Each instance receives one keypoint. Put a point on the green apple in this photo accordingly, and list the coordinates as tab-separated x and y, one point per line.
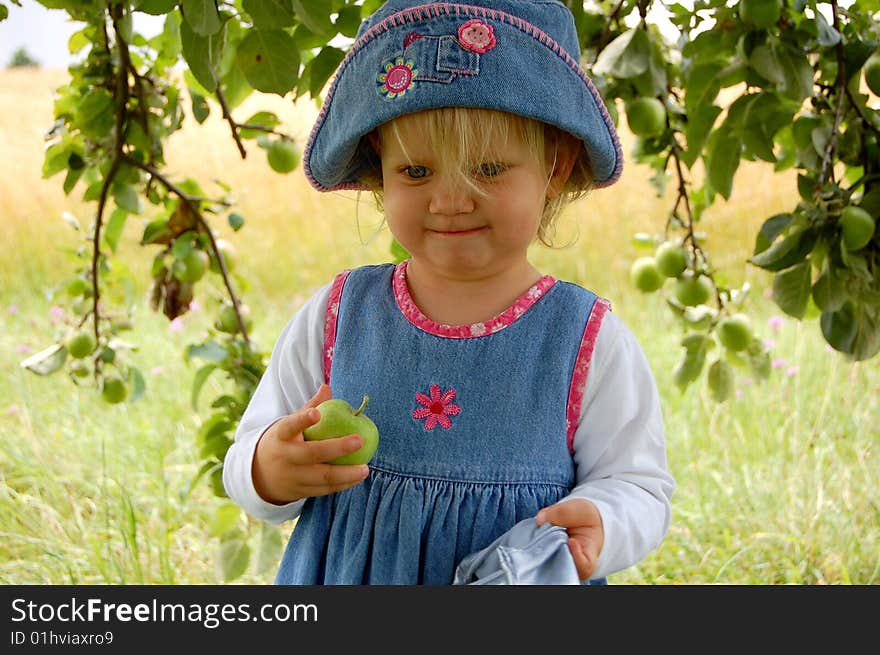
192	266
760	13
646	117
691	291
80	344
227	321
645	275
858	227
735	332
671	259
114	390
283	156
339	419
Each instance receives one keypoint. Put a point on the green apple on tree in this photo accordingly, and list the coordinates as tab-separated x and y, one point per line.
735	332
192	266
671	259
227	321
645	275
760	13
282	155
80	344
691	291
858	227
646	117
113	389
339	419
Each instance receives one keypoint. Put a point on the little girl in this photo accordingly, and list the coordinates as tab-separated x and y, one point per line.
501	394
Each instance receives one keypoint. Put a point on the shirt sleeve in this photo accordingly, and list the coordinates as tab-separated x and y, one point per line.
292	376
620	451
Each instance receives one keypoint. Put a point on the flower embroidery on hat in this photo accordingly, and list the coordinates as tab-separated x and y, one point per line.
477	36
397	77
436	408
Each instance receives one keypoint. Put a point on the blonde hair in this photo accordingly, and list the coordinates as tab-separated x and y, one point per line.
461	136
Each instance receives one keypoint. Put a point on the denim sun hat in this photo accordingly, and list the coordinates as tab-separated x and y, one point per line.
519	56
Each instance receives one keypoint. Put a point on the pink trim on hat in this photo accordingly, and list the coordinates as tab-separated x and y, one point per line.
414	14
330	320
582	367
506	318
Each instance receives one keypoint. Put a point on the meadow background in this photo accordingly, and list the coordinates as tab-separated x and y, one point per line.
776	486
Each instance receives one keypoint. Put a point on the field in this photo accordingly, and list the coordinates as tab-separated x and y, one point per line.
776	486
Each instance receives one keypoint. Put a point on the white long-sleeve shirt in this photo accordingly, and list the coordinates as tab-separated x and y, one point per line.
619	447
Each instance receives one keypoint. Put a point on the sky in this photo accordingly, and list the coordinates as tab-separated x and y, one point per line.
44	33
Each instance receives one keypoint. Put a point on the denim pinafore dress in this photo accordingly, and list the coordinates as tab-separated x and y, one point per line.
475	428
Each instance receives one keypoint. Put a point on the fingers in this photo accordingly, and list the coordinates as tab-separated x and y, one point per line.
569	514
328	478
584	561
318	452
293	424
323	393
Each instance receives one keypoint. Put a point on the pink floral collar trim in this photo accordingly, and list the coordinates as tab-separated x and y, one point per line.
415	316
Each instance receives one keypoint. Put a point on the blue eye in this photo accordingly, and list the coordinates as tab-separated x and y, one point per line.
416	172
489	170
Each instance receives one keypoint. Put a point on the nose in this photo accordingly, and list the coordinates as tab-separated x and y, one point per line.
451	197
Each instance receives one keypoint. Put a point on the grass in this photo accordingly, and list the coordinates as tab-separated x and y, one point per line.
775	486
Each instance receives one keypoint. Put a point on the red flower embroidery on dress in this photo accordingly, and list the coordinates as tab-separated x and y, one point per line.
437	408
477	36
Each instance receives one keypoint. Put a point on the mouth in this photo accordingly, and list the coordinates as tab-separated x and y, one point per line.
459	233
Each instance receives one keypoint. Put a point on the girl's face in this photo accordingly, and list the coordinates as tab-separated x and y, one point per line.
455	229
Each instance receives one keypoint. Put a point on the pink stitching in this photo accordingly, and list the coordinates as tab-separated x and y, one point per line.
582	367
436	408
506	318
496	15
330	321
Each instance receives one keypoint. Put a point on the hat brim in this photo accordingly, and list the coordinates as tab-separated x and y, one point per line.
526	73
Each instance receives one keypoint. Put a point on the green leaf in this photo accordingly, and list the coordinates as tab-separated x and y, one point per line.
200	107
758	358
270	14
322	67
236	221
702	86
772	228
840	327
720	379
829	290
786	252
155	7
626	56
94	115
210	351
696	131
315	15
226	518
138	384
199	380
791	289
828	36
202	54
115	226
270	547
155	230
348	21
46	361
722	161
233	557
270	60
127	198
201	16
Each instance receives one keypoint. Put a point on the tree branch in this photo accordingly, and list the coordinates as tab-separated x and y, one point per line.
192	204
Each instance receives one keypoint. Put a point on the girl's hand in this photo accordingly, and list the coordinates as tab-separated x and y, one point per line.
586	536
286	467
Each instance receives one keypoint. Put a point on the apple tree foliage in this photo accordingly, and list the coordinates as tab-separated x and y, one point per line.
767	81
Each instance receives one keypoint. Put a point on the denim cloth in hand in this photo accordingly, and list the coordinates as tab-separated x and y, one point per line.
524	555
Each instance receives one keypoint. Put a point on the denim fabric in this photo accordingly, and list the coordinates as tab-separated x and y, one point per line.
435	496
531	69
